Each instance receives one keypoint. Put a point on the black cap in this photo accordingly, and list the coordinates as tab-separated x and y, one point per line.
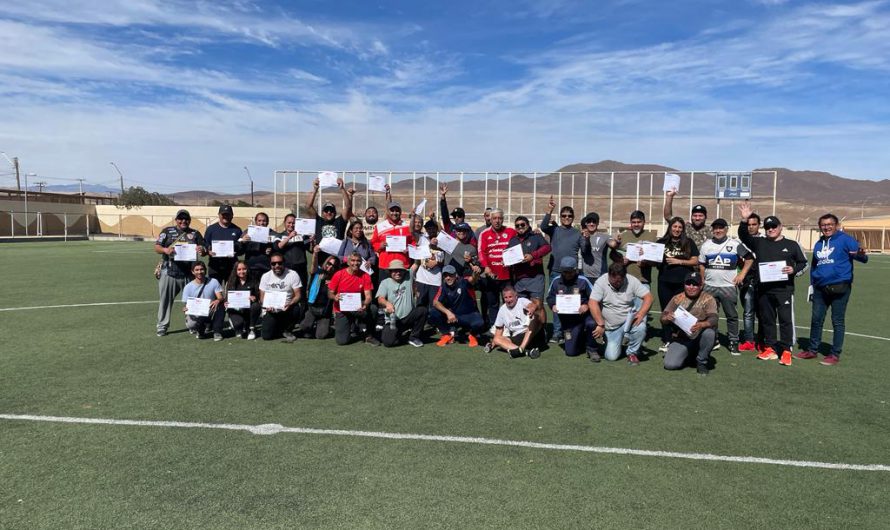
771	222
719	222
698	208
329	206
183	214
458	212
225	209
431	224
693	277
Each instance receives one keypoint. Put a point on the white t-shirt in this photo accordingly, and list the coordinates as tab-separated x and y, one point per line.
514	321
286	283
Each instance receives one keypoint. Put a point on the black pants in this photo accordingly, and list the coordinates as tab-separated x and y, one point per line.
215	321
320	319
491	299
344	322
773	305
245	319
666	291
415	320
275	324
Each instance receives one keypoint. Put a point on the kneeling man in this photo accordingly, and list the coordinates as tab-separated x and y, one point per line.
699	339
396	297
614	317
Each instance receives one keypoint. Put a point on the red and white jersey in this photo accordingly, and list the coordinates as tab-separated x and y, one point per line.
491	247
384	228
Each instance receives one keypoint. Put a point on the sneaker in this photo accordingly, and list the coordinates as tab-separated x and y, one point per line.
445	340
768	354
516	353
251	335
417	343
554	340
746	346
632	359
594	355
289	337
806	354
193	331
372	341
534	353
702	369
489	347
716	346
830	360
786	358
199	335
472	342
162	332
734	348
664	347
217	337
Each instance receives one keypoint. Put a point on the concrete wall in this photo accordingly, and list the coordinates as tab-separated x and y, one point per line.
50	217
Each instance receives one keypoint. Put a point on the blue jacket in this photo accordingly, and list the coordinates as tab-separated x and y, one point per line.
833	261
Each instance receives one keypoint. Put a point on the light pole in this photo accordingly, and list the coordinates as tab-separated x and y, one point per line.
121	175
14	162
252	203
26	200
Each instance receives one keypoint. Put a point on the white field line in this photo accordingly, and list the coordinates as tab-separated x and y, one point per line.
75	305
829	330
274	428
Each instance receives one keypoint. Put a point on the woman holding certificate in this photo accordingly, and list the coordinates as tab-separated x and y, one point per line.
680	258
243	302
257	246
202	297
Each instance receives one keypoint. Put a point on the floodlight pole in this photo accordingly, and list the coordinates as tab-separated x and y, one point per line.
251	186
120	174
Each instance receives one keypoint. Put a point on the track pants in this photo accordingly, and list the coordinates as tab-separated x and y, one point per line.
777	306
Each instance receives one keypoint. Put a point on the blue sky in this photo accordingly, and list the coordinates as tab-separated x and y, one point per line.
184	94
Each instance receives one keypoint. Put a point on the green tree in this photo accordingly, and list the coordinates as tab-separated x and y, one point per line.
139	196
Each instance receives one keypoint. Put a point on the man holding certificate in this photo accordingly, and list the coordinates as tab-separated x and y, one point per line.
616	316
392	230
493	241
329	224
528	274
221	239
280	294
173	243
568	298
693	314
350	289
777	260
203	309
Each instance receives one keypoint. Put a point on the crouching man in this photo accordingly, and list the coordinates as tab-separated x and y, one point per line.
518	326
614	317
699	340
396	297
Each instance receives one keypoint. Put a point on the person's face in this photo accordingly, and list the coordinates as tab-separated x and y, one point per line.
753	226
718	231
462	235
261	220
698	219
225	219
450	279
497	220
395	215
510	298
569	275
616	281
328	266
241	271
328	213
591	227
289	223
487	216
522	228
277	265
566	218
182	224
432	231
828	227
357	230
457	219
637	224
397	275
692	289
354	263
773	232
371	216
199	272
676	230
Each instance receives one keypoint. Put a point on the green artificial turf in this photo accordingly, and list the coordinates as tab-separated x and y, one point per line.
106	362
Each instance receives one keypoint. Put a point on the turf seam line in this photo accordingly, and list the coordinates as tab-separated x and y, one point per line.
273	428
76	305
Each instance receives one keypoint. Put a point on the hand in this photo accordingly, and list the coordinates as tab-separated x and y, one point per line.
268	251
451	318
443	189
383	246
489	272
583	309
184	309
585	233
245	237
337	297
315	184
316	249
625	261
617	236
555	311
386	188
527	258
551	204
252	298
202	251
859	253
476	269
738	280
350	192
668	317
639	318
214	304
697	326
340	183
745	210
389	309
170	250
787	270
434	242
212	254
672	261
598	331
671	192
226	305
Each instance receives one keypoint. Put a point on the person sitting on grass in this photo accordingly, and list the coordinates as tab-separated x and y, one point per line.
280	320
244	321
519	326
360	320
396	297
616	316
568	282
203	287
454	308
700	341
317	320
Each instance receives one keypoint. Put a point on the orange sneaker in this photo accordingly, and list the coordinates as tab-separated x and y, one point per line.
445	340
471	341
768	354
786	358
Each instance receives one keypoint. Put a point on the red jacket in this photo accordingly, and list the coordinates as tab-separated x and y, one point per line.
491	247
386	228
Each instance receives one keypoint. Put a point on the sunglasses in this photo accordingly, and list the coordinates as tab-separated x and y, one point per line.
771	227
567	216
693	284
521	225
274	263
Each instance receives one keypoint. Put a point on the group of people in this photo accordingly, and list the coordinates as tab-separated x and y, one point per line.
393	279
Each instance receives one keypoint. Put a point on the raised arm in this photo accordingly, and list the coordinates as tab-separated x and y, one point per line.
669	205
347	200
310	202
443	208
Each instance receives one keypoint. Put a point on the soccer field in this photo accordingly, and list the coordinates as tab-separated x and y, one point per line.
555	442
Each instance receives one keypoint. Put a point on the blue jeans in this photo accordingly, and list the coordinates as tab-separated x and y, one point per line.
821	302
615	337
469	322
748	306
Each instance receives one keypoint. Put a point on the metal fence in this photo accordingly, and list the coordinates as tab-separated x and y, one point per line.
22	224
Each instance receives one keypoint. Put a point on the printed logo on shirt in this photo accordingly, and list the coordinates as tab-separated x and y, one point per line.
190	235
328	231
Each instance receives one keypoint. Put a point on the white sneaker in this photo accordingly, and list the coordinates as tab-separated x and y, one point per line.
251	335
664	347
716	347
217	337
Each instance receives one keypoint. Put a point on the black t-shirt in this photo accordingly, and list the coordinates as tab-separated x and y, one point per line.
170	236
215	232
677	273
336	227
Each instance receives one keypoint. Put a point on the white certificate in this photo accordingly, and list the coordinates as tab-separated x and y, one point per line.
185	252
671	182
396	243
224	249
197	307
446	242
327	179
684	320
239	299
419	252
330	245
513	255
350	301
420	207
376	183
653	252
634	252
305	227
275	299
568	304
771	271
258	234
366	266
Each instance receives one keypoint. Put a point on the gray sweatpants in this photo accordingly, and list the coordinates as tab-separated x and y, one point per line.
681	348
168	289
728	299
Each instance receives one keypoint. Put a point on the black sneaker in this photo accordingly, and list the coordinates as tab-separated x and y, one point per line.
372	341
516	353
489	347
594	356
534	353
734	348
703	369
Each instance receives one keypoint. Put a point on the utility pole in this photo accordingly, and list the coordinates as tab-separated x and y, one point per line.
121	175
252	203
15	164
80	185
40	185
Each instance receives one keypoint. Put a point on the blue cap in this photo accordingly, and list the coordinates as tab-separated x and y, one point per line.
449	269
463	226
568	263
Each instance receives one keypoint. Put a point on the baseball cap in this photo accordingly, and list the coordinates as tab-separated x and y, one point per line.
568	263
463	226
396	265
719	222
698	208
693	278
771	222
225	209
449	269
431	224
183	214
458	212
394	205
329	206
